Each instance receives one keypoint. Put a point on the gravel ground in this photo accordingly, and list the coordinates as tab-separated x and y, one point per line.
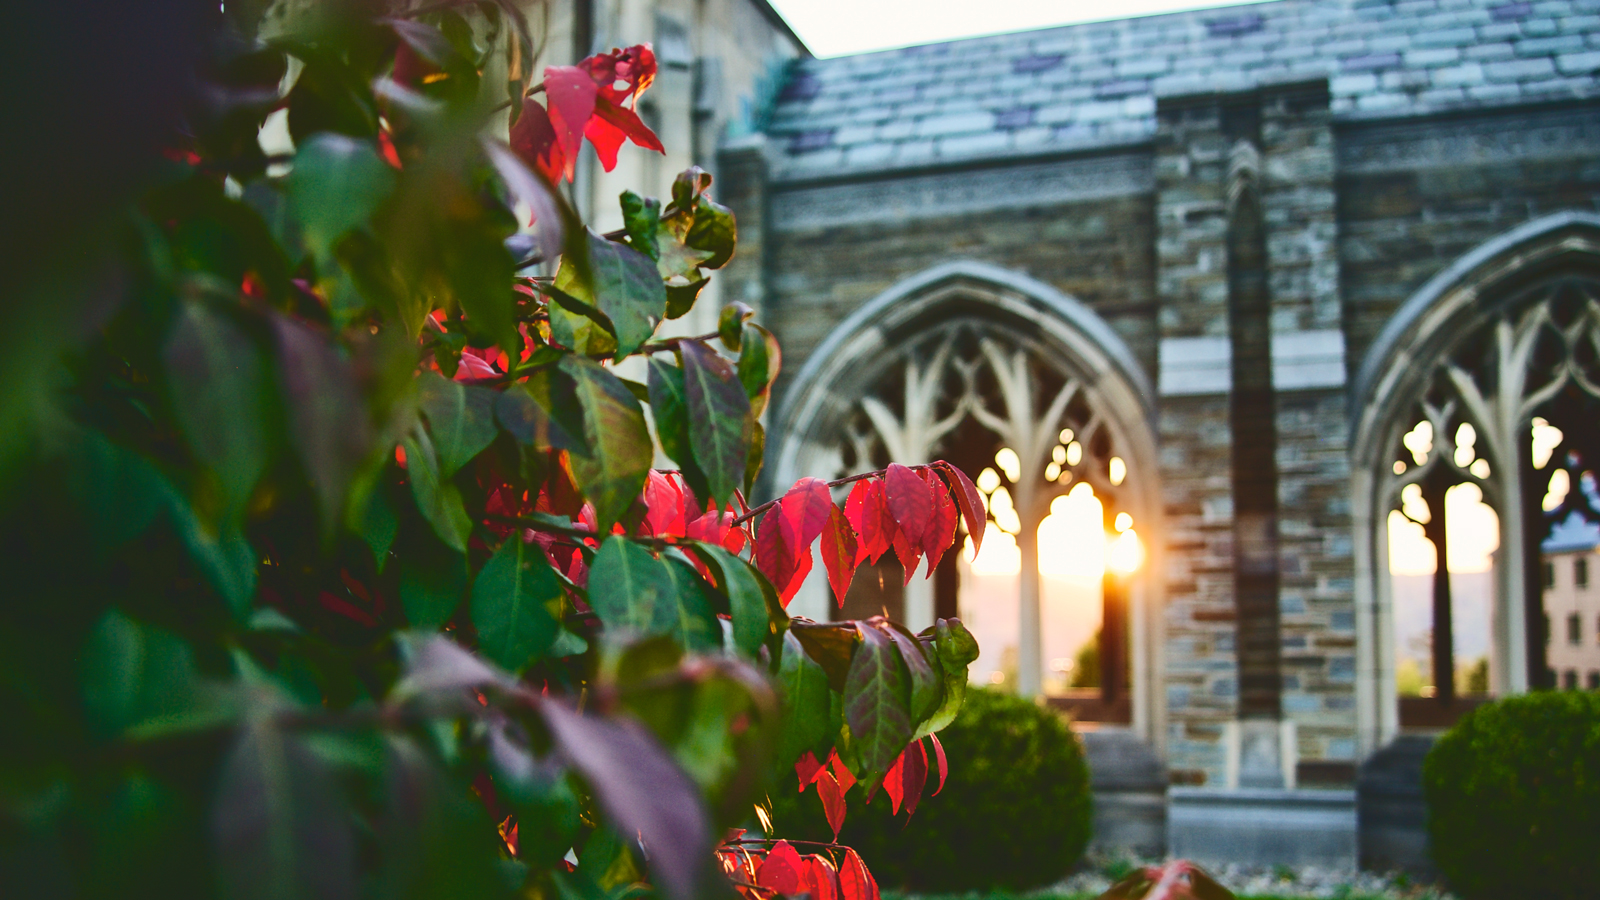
1097	874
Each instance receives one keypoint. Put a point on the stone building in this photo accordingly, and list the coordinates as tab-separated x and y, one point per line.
1248	274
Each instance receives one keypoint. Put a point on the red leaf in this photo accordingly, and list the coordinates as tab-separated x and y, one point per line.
855	510
533	139
776	548
855	882
664	500
572	93
846	778
832	796
807	768
914	776
611	125
821	879
807	504
941	530
839	553
971	504
909	553
780	871
634	67
894	783
944	767
802	569
911	504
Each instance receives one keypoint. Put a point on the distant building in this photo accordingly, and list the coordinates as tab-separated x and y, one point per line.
1572	611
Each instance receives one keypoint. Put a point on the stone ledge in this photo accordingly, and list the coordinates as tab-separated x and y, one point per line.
1259	826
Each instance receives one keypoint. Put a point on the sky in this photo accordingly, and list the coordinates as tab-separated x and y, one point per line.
841	27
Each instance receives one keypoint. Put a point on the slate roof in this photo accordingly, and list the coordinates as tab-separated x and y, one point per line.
1096	84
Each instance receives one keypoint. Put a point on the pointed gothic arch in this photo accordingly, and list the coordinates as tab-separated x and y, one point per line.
968	348
1496	338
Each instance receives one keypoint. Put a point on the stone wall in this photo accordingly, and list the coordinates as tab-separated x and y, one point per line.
1358	214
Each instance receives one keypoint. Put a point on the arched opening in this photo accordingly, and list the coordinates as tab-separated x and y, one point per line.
1478	432
1040	403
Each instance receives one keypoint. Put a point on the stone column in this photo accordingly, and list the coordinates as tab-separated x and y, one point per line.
1196	439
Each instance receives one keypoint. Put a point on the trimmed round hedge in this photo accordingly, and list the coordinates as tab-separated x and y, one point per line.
1513	793
1014	814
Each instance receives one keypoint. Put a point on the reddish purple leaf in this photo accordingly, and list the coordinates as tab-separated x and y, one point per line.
839	553
941	531
330	432
533	139
971	504
572	93
641	790
808	504
914	776
776	543
944	766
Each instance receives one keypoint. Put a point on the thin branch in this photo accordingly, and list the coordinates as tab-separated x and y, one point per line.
536	89
833	484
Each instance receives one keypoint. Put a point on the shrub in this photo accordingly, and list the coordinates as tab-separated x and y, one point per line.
1513	795
1014	813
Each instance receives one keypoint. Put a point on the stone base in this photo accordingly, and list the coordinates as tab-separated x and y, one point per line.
1394	817
1130	792
1263	827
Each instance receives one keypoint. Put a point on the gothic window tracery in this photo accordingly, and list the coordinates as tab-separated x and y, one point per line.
1512	407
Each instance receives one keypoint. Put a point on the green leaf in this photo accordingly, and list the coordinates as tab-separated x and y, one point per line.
758	450
876	700
433	580
612	473
688	186
575	323
336	185
131	672
677	259
220	396
927	683
719	418
627	587
669	407
516	604
956	649
681	297
628	290
754	621
438	499
713	230
378	526
641	216
759	361
460	419
544	412
688	615
831	644
730	324
807	703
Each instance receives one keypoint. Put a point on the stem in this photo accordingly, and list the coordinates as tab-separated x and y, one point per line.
671	343
833	484
536	89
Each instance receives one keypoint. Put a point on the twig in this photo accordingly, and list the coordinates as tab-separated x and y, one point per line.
833	484
536	89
